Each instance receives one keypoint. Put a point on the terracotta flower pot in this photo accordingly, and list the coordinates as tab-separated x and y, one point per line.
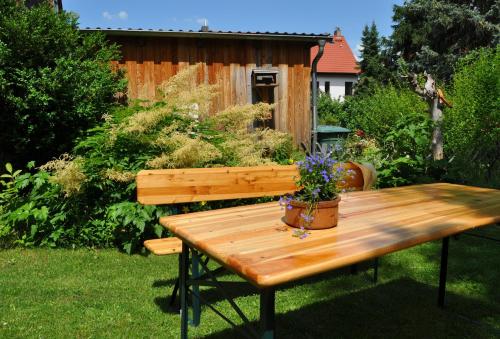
354	181
326	214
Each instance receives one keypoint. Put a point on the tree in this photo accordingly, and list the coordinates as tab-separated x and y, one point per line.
431	35
435	100
55	82
374	70
371	63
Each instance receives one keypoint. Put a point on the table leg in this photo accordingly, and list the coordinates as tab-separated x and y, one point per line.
183	278
267	322
443	271
195	273
173	296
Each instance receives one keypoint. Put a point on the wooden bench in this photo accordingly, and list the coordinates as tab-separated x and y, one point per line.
155	187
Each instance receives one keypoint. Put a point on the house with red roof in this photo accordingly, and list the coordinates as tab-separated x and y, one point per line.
338	70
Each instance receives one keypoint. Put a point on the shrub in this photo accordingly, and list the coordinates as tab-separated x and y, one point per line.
88	198
329	110
396	122
472	126
55	82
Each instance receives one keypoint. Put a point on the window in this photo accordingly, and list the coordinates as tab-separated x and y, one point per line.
348	88
327	87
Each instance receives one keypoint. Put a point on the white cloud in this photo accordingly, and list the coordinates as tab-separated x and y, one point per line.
106	15
121	15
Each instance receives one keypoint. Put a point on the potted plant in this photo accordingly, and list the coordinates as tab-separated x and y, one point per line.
315	205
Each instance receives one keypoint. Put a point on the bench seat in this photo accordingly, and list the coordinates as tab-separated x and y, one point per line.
164	246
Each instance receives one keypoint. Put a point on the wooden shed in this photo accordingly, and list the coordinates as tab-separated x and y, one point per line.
249	67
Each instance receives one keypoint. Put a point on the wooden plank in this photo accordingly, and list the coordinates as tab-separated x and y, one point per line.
164	246
254	242
129	51
202	184
149	69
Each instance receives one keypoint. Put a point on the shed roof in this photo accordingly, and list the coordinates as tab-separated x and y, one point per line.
337	57
304	37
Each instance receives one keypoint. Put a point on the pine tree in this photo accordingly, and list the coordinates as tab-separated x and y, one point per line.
432	35
373	70
371	62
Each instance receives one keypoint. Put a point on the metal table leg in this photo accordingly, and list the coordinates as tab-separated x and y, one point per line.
183	278
267	323
195	273
443	271
173	295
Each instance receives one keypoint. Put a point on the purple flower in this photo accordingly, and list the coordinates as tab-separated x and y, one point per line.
315	192
307	218
289	207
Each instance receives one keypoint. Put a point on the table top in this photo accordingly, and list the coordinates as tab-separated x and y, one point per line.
254	242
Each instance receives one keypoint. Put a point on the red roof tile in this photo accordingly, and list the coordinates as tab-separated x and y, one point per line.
337	57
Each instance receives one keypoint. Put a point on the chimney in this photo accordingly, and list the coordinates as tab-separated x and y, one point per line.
338	32
204	28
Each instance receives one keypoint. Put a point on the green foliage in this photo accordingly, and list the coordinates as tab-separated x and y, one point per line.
472	126
89	198
55	81
432	34
379	113
397	123
370	52
376	67
329	110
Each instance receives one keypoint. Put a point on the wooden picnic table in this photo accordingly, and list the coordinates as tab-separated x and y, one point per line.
254	242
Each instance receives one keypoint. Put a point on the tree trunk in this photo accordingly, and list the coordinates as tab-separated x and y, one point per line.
430	93
437	135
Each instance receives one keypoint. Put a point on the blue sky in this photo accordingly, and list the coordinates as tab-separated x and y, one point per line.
257	15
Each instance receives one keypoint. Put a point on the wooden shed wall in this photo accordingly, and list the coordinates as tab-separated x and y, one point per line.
149	61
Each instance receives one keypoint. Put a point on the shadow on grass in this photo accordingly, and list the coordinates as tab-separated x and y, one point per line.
400	308
237	290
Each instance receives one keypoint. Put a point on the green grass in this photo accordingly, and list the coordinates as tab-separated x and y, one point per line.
103	293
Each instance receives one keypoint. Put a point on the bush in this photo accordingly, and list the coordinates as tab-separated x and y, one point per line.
88	198
472	126
55	82
396	122
329	110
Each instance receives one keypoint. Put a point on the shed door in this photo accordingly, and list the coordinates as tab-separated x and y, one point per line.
264	83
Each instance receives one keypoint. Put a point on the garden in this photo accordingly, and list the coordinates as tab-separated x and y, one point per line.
72	260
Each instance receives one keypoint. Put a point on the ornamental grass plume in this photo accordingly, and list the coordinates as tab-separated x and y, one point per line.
238	119
190	153
67	172
178	132
244	152
119	175
186	95
181	95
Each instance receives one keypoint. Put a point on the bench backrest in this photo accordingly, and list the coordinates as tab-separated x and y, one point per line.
155	187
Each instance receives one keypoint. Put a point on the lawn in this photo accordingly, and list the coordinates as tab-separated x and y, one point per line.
104	293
